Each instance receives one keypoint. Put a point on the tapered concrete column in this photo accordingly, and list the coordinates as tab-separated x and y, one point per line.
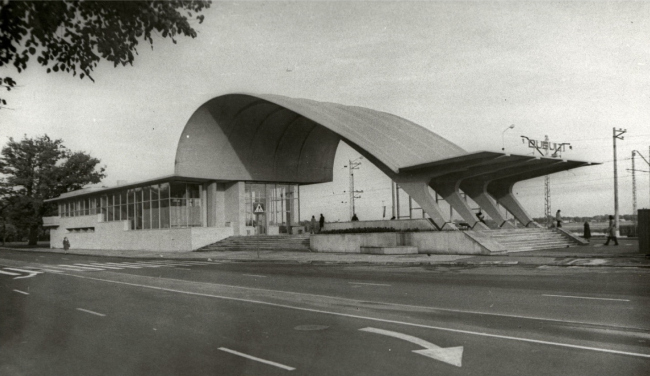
502	191
477	190
419	191
449	192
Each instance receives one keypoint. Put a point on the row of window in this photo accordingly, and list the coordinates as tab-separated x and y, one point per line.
151	207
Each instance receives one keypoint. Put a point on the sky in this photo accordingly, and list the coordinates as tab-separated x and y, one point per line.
467	71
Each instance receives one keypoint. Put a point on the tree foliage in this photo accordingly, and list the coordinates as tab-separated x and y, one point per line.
36	169
74	36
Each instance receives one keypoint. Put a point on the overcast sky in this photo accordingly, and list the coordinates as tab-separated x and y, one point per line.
465	70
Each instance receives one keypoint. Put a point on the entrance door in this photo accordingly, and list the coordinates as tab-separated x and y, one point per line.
260	223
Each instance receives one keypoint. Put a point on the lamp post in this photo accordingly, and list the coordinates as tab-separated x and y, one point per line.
503	143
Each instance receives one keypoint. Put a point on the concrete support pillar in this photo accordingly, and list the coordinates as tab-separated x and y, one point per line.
450	193
419	190
502	192
477	190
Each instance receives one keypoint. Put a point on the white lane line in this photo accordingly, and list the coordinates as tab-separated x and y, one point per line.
22	292
490	335
52	270
368	284
121	265
78	268
585	297
103	266
255	275
91	312
257	359
8	273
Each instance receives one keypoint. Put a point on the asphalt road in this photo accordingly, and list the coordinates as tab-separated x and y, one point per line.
82	315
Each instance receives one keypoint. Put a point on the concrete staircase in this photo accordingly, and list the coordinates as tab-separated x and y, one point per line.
260	242
530	239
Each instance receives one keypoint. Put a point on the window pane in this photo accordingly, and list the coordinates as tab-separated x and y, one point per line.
193	190
164	190
110	213
147	193
178	190
122	197
154	192
146	214
130	195
123	212
164	213
155	215
138	216
138	194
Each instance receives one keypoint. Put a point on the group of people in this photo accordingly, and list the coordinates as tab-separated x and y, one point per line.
317	227
611	229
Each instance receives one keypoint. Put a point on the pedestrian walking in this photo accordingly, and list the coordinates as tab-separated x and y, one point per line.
313	225
587	231
558	218
611	231
66	244
321	222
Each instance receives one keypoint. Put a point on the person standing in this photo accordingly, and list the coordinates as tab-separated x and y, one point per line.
558	218
354	217
312	230
611	231
321	223
587	231
66	245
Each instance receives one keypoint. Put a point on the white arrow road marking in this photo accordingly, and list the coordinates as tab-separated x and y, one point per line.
257	359
450	355
8	273
30	273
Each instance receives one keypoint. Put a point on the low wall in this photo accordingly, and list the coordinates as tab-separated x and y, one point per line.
116	235
435	242
399	225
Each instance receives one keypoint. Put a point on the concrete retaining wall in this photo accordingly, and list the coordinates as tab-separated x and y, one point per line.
439	242
399	225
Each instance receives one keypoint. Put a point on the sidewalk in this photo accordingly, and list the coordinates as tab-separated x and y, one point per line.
593	255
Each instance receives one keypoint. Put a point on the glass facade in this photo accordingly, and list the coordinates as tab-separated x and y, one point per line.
280	203
157	206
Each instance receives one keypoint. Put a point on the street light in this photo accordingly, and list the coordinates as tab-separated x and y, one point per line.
503	144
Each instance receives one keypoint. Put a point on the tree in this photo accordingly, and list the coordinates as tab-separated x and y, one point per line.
73	36
36	169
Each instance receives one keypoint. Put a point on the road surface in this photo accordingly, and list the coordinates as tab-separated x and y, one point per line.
83	315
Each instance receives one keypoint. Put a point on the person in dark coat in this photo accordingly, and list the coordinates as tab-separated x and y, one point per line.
321	222
558	218
587	231
354	217
66	244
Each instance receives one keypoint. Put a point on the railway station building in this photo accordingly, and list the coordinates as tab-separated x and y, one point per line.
241	160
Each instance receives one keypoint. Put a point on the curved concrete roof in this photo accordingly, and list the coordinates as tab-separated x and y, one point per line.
277	138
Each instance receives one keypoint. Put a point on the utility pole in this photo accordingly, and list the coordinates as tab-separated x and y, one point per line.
633	189
617	134
647	161
353	165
